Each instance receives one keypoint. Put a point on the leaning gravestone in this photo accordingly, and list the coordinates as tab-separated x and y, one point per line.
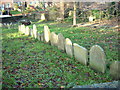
80	53
38	36
53	39
46	34
61	42
97	58
68	47
27	31
34	31
115	70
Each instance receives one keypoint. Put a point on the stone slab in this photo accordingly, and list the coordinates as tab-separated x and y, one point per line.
46	34
27	31
115	70
31	32
97	58
61	42
39	36
23	29
68	47
80	54
53	39
34	31
42	37
19	28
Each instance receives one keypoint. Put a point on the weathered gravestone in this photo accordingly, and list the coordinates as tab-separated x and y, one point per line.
19	28
61	42
42	37
27	31
38	36
80	53
46	34
34	31
53	39
23	29
97	58
43	16
68	47
31	32
115	70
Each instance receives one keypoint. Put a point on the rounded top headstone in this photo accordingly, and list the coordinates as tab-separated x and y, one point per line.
97	58
46	34
68	47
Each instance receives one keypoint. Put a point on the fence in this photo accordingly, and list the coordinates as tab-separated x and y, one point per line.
95	57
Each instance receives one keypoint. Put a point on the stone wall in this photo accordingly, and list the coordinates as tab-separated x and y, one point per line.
95	58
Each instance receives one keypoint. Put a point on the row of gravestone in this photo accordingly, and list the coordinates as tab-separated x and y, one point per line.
96	55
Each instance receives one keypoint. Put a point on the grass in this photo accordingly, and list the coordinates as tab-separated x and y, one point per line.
15	12
29	63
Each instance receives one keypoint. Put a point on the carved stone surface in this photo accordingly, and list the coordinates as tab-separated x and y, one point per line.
53	39
46	34
27	31
80	53
115	70
68	47
61	42
97	58
39	36
34	31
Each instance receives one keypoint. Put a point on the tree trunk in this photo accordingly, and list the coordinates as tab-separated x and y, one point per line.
74	14
62	9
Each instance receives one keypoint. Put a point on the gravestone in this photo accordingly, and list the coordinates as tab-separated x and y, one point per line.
61	42
23	29
27	31
42	37
19	28
53	39
97	58
31	32
46	34
80	54
68	47
34	31
38	36
91	18
42	16
115	70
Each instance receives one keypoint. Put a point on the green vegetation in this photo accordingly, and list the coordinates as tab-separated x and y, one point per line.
15	12
29	63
